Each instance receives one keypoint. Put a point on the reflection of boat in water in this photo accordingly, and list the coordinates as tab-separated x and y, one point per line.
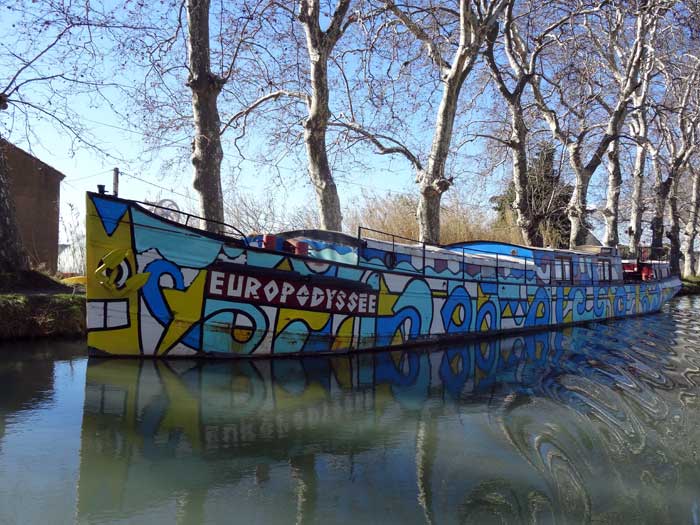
515	427
159	288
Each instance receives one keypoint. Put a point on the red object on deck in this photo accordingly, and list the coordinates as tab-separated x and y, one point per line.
300	247
269	241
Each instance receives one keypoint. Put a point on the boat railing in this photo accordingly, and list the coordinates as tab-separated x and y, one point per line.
189	216
598	271
393	239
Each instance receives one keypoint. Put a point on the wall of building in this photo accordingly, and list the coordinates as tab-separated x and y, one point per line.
36	188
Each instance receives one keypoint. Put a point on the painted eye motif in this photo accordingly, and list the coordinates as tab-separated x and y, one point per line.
123	274
123	271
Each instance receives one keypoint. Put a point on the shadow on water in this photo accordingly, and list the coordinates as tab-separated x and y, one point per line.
597	423
27	375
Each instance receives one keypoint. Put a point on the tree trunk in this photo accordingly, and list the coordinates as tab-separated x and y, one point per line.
661	192
315	128
674	254
637	196
12	255
428	214
521	204
474	26
577	210
432	181
691	229
319	44
612	205
207	152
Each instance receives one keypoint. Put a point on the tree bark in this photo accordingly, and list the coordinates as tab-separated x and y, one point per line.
428	212
207	152
12	255
578	211
319	45
674	254
474	26
528	226
662	188
628	80
522	67
612	205
637	193
432	181
691	229
315	128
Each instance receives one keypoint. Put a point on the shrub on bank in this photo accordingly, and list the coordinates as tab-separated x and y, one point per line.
27	316
396	214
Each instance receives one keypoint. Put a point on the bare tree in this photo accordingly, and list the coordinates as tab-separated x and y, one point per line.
319	44
477	18
520	47
677	125
312	89
186	63
691	228
577	108
627	54
639	130
207	152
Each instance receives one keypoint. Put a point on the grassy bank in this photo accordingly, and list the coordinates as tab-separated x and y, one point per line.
35	305
41	315
691	286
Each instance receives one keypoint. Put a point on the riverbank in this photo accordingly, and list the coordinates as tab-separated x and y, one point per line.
34	305
690	286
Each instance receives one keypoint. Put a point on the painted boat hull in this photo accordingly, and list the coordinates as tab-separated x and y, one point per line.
156	288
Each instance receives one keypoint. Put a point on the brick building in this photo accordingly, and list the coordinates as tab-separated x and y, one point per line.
35	188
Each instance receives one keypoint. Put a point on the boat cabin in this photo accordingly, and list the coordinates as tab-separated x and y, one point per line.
483	261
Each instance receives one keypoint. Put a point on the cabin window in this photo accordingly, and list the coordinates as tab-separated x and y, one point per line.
562	269
604	270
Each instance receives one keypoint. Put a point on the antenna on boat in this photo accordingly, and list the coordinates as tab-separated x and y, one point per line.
115	182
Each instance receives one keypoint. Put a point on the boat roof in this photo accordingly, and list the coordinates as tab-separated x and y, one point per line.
507	248
475	247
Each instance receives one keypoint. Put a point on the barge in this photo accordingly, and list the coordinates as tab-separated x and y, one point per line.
158	287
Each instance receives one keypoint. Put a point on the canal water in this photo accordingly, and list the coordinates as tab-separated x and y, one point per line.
590	424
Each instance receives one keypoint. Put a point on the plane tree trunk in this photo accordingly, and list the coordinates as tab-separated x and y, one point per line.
637	192
639	130
319	44
521	204
578	211
612	205
432	181
205	86
674	237
691	229
476	21
661	192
